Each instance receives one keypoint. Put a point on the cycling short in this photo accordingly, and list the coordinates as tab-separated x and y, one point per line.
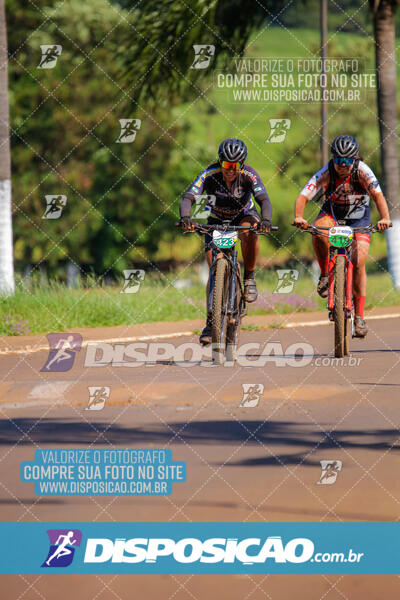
251	215
363	222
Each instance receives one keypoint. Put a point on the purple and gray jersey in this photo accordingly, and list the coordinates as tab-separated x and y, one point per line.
225	204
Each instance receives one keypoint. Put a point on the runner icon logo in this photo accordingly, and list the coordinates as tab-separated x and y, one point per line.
50	54
330	471
202	206
133	280
203	55
129	128
63	347
62	547
55	205
286	280
251	394
97	397
278	130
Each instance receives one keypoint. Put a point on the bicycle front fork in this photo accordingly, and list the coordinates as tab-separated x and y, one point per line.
234	265
348	279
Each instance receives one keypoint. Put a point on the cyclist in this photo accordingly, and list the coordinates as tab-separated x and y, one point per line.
346	184
229	185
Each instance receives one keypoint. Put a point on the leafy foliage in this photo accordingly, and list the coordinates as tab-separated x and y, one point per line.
121	198
160	56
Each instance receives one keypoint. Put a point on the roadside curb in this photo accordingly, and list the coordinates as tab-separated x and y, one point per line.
261	321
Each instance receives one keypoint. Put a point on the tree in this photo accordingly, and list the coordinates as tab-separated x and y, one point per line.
6	247
160	55
65	123
385	53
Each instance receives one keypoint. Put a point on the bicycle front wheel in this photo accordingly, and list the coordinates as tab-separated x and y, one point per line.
339	311
233	328
219	311
347	330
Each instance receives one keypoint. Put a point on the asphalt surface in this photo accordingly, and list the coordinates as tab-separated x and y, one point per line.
259	462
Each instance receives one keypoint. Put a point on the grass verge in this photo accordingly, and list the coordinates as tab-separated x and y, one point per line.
53	307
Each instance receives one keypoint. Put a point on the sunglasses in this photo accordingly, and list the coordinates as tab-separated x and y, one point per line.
226	164
338	160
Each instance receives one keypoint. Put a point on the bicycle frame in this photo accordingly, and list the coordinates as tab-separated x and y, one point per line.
226	302
230	255
333	254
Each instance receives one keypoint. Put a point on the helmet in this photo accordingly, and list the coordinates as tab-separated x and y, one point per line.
233	150
344	146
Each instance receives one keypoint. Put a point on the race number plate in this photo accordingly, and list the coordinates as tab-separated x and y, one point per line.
340	237
225	239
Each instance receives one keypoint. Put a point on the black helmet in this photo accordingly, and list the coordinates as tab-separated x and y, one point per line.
344	146
233	150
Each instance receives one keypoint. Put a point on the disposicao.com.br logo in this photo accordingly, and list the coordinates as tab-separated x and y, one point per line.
247	551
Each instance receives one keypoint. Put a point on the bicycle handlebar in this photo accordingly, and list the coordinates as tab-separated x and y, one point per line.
313	229
203	228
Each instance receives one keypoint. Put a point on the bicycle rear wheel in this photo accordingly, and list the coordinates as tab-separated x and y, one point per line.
219	311
339	311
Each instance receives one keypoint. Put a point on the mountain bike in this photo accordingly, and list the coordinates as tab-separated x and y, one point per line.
226	294
340	273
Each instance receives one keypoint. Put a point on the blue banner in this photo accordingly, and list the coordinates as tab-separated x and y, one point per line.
200	548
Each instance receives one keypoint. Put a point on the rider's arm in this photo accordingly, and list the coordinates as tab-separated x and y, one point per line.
259	192
299	206
381	205
266	207
305	195
186	205
312	187
371	184
196	188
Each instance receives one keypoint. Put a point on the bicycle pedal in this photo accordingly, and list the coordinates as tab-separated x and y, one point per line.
331	315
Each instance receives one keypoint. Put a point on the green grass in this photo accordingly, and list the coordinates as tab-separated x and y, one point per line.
54	307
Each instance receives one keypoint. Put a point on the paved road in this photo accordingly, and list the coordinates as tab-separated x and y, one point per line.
257	463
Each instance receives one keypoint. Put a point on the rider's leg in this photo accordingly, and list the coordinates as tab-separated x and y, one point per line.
250	249
205	336
320	242
360	254
321	249
209	261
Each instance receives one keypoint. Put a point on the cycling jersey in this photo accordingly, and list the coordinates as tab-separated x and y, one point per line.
224	204
344	198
